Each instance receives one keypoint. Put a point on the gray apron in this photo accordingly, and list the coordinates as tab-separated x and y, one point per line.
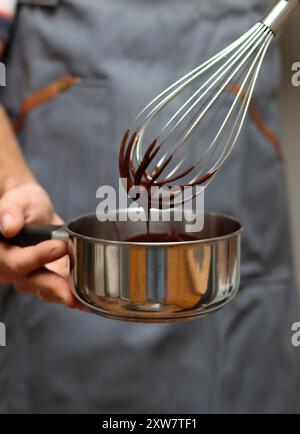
57	360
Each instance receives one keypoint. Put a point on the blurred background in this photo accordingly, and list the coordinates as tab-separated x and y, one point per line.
290	112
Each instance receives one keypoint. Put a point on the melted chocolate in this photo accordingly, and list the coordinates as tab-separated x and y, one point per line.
172	237
140	176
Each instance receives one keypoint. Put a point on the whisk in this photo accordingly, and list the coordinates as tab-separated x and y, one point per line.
199	118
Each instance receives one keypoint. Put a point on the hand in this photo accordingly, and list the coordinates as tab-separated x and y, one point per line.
41	270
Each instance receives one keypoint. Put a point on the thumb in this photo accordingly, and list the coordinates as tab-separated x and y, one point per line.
12	218
28	203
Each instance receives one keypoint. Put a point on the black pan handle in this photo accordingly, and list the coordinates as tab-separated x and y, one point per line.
35	234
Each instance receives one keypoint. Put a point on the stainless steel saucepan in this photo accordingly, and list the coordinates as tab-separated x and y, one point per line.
148	282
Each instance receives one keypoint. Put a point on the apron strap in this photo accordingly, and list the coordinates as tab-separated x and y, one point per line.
42	96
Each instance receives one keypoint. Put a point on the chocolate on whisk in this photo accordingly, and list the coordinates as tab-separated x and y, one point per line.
141	176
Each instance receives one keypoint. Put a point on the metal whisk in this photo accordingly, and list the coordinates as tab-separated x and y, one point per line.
200	117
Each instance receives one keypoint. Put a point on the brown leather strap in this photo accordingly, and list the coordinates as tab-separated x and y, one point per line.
43	95
260	122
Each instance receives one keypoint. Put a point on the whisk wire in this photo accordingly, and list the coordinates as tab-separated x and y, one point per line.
208	104
194	74
230	74
246	97
182	84
219	74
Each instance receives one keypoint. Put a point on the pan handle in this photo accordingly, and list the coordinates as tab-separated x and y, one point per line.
35	234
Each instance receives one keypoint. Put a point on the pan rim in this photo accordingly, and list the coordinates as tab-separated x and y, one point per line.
214	240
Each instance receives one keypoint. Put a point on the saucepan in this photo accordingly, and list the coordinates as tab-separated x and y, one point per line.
118	277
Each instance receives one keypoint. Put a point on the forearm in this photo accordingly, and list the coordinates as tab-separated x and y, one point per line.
13	167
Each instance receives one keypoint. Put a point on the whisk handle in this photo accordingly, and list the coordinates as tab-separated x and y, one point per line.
277	16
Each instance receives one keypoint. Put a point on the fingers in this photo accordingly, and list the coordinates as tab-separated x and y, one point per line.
26	269
61	267
17	262
48	286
